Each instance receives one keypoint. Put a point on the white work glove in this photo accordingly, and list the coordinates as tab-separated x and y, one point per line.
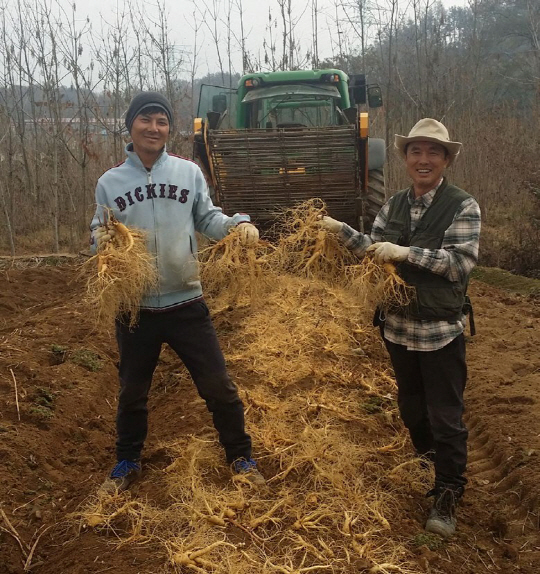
386	251
329	224
103	234
249	234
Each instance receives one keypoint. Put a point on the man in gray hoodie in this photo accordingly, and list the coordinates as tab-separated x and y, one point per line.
167	197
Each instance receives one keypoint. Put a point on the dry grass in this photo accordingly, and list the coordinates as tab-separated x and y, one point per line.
378	285
334	502
232	272
321	410
305	249
239	270
121	273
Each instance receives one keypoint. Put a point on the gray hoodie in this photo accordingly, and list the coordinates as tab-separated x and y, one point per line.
170	202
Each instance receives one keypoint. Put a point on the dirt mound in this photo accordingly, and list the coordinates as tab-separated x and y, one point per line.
58	384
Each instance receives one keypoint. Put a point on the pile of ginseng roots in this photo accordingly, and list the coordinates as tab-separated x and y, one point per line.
320	405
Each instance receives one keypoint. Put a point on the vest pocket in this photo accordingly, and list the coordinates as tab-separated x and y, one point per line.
442	303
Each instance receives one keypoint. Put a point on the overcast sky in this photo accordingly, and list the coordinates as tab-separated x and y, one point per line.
255	17
256	20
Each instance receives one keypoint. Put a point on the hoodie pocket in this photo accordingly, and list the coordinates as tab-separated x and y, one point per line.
179	268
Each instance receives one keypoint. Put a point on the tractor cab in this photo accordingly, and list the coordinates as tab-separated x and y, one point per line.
309	98
292	106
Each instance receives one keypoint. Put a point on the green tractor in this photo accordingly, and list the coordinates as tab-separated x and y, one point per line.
281	138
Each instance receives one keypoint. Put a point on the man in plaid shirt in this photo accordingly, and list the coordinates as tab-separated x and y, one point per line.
431	232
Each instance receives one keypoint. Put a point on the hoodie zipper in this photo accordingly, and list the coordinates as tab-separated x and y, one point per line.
149	178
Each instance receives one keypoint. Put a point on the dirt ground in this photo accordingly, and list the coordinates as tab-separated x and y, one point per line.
58	384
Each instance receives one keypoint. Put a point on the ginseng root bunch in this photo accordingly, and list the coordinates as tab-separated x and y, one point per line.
121	273
305	249
379	285
234	270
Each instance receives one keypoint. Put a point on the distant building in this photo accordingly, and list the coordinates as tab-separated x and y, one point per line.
100	126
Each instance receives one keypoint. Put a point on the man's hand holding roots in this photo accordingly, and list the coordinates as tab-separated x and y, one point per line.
386	252
103	234
248	233
329	224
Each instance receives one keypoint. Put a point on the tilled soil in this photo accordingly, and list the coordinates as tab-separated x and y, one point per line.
58	385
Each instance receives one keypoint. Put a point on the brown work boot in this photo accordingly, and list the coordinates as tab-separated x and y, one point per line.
247	468
442	517
122	476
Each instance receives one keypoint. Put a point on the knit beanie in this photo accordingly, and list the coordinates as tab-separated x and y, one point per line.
147	100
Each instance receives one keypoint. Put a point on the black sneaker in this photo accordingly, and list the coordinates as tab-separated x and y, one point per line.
442	517
122	476
247	467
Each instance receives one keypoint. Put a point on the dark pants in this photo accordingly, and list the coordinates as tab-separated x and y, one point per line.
190	333
430	399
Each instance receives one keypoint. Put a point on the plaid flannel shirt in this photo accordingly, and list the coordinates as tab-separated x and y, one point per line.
454	260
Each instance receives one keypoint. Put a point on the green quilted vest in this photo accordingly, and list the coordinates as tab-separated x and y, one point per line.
437	298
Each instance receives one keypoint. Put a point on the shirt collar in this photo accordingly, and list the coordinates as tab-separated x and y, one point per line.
137	160
426	198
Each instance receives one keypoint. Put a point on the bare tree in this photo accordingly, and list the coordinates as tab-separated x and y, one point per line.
15	46
166	56
114	63
270	45
195	26
212	9
315	33
51	72
71	49
240	6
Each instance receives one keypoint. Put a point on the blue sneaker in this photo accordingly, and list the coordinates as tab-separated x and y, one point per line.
122	475
247	468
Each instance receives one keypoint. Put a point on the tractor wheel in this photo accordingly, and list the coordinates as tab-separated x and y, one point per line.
374	199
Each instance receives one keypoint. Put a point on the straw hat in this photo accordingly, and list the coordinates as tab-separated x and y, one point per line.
431	131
